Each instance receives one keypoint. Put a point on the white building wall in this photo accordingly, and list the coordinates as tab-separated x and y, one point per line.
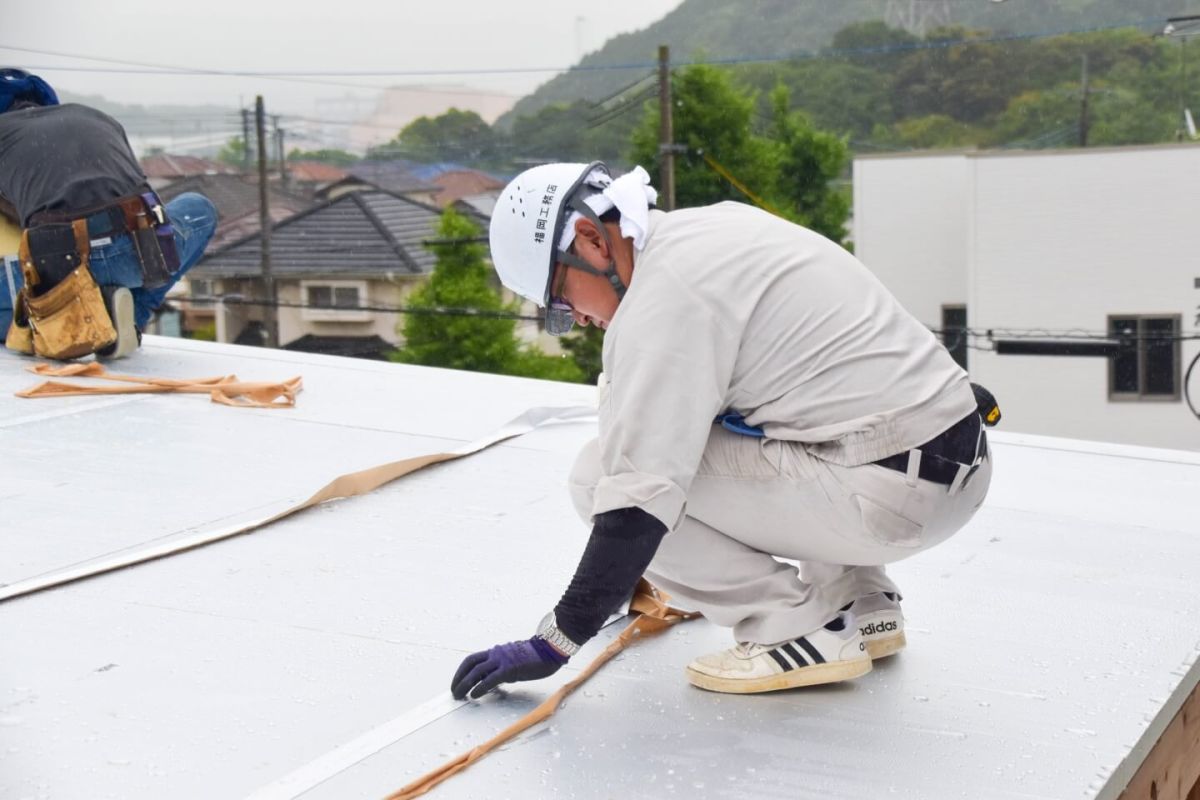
1060	242
910	229
1053	241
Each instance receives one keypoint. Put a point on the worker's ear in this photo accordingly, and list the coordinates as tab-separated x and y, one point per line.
589	237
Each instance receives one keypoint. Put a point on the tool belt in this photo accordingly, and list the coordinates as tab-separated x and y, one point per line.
143	216
60	313
954	455
942	455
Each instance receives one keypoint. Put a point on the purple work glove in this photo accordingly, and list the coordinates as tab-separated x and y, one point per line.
516	661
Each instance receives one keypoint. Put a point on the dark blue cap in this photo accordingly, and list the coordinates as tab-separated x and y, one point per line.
17	84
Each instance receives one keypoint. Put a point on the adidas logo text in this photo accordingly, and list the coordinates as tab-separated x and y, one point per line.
880	627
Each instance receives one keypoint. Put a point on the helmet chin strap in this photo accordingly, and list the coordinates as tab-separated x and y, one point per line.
609	273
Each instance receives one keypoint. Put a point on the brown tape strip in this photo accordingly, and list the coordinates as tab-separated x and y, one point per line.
226	390
654	616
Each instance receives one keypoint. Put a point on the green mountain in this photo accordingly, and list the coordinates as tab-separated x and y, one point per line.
750	30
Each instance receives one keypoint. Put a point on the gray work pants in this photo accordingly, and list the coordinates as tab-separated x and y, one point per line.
754	500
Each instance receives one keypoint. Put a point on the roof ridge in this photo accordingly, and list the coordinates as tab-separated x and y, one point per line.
386	233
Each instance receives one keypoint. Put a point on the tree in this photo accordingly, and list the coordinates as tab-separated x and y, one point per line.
967	82
809	162
711	117
586	348
577	132
934	131
460	136
233	152
793	172
873	44
326	155
484	341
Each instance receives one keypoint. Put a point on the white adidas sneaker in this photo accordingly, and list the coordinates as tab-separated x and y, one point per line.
823	656
881	623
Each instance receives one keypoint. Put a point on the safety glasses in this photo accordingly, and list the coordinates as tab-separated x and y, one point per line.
560	314
560	317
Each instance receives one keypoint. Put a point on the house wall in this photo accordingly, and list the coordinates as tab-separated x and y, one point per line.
231	318
1053	242
297	322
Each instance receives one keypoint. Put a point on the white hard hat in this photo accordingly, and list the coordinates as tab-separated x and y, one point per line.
527	223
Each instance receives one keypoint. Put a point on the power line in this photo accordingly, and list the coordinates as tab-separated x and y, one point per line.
988	334
436	311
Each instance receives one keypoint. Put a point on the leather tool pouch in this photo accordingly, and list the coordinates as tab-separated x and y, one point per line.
54	254
155	239
154	264
67	317
20	335
70	320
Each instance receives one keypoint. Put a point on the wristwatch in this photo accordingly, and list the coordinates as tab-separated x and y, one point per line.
548	630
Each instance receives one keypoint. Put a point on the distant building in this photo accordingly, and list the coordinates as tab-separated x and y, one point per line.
339	268
400	105
475	189
1045	245
309	177
394	176
441	184
165	168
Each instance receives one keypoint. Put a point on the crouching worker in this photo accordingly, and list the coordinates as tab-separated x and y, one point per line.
99	251
766	398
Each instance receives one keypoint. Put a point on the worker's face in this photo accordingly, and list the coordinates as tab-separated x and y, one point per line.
592	298
585	294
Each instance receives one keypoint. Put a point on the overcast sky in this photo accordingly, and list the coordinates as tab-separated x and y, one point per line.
303	35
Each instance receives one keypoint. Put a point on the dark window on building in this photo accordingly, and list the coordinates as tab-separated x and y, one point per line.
1147	362
954	332
320	296
333	296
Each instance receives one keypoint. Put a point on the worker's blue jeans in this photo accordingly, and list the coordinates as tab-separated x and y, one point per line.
116	264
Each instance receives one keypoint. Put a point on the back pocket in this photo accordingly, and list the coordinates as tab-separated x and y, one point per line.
886	526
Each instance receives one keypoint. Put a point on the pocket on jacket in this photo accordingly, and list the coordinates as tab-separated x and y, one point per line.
886	527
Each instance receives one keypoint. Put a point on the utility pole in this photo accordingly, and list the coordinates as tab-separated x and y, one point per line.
1182	28
279	148
1183	109
279	151
246	139
264	221
1083	104
666	131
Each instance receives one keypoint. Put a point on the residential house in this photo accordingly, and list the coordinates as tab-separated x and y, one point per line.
165	168
237	200
1080	247
468	188
309	177
394	176
340	269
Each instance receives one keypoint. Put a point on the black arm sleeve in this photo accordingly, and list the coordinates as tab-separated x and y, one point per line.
620	548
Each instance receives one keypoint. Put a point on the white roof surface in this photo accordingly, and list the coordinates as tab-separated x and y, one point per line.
1050	642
